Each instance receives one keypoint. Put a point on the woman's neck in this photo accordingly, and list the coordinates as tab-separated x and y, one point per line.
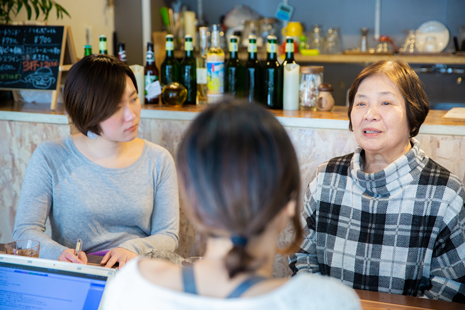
107	153
374	161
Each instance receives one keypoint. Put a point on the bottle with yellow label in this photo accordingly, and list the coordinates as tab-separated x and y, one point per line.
202	87
272	89
252	71
215	68
289	51
188	71
170	66
234	79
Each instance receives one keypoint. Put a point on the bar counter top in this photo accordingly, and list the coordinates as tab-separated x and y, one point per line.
335	119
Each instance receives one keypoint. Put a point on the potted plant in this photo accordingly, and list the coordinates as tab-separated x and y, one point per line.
13	7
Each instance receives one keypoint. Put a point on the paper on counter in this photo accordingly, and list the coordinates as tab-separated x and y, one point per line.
291	87
139	73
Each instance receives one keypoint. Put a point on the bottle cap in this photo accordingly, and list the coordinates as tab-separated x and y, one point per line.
188	36
271	37
169	36
87	46
215	27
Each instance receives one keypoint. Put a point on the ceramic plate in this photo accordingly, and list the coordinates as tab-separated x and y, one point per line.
432	37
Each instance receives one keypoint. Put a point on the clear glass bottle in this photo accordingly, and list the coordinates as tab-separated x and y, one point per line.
122	51
310	78
202	86
215	68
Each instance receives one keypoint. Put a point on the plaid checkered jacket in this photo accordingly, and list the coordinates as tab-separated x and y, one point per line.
400	230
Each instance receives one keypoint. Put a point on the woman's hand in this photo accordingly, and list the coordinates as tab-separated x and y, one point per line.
69	255
120	255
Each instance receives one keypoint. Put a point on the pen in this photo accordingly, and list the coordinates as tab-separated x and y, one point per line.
78	247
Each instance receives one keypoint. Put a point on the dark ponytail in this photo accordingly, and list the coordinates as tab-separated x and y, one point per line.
238	169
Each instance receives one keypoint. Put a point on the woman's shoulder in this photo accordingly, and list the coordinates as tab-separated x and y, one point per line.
55	149
321	291
337	165
157	151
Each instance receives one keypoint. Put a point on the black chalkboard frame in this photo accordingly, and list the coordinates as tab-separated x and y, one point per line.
67	59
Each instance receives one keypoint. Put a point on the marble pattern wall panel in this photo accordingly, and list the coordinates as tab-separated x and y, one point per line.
18	140
313	147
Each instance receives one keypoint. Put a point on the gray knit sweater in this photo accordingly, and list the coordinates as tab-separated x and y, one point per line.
400	230
136	208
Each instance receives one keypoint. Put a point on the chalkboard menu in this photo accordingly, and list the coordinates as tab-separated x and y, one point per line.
30	56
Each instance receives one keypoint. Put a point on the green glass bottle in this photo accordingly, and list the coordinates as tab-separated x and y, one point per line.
87	50
252	71
103	45
289	51
188	71
272	89
170	66
234	75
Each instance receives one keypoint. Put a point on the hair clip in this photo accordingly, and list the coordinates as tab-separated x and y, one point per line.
239	241
92	135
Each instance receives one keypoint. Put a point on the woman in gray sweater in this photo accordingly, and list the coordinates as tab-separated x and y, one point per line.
114	191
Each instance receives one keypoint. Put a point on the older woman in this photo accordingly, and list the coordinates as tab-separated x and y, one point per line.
386	218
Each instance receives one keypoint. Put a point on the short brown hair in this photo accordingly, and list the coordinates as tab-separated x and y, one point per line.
238	169
403	76
94	87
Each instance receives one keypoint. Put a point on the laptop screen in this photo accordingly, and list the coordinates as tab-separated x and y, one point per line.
31	287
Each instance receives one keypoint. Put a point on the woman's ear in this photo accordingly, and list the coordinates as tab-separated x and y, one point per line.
290	208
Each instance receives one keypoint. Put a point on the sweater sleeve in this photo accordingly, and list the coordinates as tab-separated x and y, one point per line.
306	258
35	203
448	261
165	215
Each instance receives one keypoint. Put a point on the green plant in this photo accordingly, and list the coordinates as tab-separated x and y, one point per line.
8	7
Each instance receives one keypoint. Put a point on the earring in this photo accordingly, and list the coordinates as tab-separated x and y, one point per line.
92	135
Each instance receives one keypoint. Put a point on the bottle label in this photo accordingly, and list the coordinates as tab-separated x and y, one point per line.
202	76
271	48
188	46
215	77
233	47
252	48
102	45
289	47
169	46
149	56
152	87
122	56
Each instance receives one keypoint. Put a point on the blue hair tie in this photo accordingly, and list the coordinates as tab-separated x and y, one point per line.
239	241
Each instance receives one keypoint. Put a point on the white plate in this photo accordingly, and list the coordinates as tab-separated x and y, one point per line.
432	37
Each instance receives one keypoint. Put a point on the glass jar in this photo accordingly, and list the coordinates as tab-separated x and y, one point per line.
310	78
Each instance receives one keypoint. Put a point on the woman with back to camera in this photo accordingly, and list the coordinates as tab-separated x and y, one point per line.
240	179
116	192
386	218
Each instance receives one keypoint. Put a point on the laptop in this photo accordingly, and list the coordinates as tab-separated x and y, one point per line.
42	284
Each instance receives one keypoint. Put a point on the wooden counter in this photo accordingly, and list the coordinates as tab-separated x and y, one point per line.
338	112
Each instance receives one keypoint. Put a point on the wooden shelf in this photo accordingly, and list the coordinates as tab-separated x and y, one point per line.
341	58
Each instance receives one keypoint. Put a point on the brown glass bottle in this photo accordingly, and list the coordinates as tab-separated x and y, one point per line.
150	72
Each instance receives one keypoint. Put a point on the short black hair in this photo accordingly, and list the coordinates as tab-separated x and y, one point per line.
93	89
